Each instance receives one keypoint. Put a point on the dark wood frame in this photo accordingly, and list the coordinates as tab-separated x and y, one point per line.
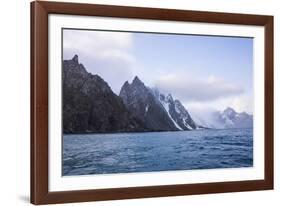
39	102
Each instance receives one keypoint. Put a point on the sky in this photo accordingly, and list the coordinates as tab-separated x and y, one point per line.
203	72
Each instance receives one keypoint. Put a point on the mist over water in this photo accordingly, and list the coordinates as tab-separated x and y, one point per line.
85	154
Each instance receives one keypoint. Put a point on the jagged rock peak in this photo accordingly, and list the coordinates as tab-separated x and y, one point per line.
75	59
126	83
169	97
229	111
90	105
137	80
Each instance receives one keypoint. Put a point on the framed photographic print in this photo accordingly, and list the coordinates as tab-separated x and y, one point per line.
131	102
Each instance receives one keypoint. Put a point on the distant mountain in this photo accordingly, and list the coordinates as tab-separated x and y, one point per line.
159	112
89	105
227	118
231	119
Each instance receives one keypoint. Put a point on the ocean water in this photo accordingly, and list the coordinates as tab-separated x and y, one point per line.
85	154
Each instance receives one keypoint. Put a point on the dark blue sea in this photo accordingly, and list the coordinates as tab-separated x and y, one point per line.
85	154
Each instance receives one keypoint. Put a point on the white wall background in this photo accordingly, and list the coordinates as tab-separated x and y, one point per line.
14	102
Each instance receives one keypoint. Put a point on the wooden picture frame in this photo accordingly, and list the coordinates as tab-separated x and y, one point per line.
40	193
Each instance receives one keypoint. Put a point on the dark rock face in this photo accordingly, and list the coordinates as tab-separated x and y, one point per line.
89	105
183	117
176	111
141	102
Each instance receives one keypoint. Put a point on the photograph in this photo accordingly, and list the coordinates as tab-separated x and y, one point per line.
151	102
130	102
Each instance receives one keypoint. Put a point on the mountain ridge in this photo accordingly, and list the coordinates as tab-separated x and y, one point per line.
90	105
139	99
227	118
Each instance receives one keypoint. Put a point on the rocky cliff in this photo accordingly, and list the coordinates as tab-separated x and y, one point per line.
89	105
140	101
159	112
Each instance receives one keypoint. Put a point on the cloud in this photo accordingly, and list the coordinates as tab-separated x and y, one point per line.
107	54
87	41
243	103
193	89
240	103
110	55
